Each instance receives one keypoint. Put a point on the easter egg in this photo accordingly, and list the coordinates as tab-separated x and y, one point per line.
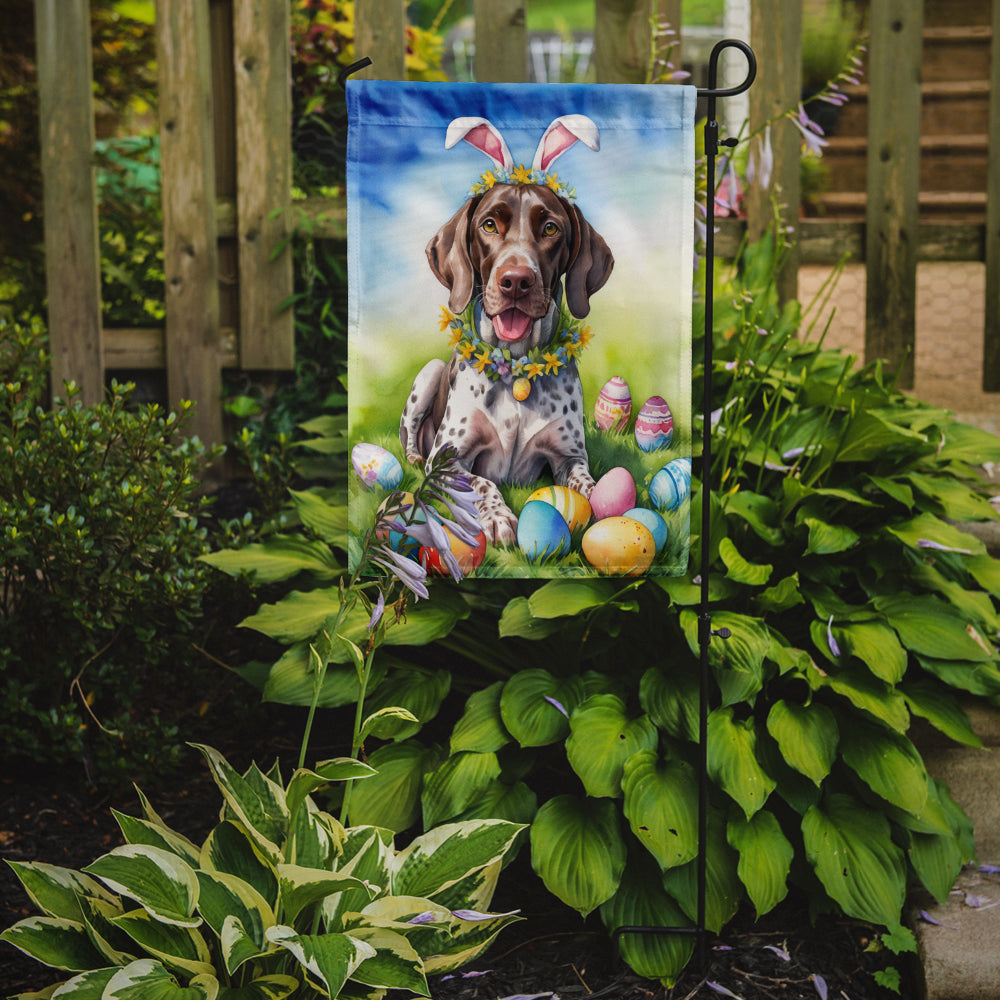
574	506
654	426
521	389
541	530
613	494
619	546
651	520
467	556
375	466
614	405
671	485
398	540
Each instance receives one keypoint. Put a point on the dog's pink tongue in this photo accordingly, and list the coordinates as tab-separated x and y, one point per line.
512	324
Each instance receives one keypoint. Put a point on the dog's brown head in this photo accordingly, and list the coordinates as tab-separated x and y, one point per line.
512	245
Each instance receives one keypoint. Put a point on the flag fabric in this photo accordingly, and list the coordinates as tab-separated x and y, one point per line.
520	292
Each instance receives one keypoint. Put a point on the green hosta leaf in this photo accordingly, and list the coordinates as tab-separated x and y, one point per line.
888	763
783	595
738	661
876	646
98	916
395	964
456	784
925	528
275	987
850	848
417	690
466	941
671	700
516	803
141	831
301	887
391	799
871	435
641	901
330	959
438	859
931	628
180	948
937	860
602	738
976	678
279	558
367	853
56	891
225	897
807	736
975	605
941	709
894	489
578	851
481	728
238	944
661	806
965	443
866	692
292	680
87	986
517	620
684	592
386	723
560	598
230	849
765	858
54	941
986	572
732	760
325	519
828	539
751	574
956	501
760	512
147	979
530	706
159	881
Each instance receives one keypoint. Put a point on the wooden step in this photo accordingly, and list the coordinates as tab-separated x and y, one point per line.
956	53
945	12
957	206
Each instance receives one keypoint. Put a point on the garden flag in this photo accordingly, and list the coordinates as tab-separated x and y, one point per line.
520	285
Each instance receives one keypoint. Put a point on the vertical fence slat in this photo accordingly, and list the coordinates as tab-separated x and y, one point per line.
892	215
380	34
991	333
190	253
501	41
261	57
622	40
776	35
72	257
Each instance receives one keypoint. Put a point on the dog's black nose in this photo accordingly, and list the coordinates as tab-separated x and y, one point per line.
516	280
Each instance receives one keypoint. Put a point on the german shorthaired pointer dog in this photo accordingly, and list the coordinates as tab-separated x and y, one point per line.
510	248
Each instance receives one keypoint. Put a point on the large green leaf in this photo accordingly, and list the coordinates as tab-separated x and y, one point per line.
758	511
870	435
279	558
851	850
54	941
932	628
516	620
671	699
866	692
560	598
144	831
732	760
876	646
661	806
602	737
941	709
807	736
481	728
765	858
739	569
225	897
888	763
56	891
330	959
535	706
86	986
230	849
456	784
827	539
956	500
301	887
291	680
327	520
274	987
976	678
147	979
578	851
180	948
418	690
391	798
516	803
395	964
738	661
927	531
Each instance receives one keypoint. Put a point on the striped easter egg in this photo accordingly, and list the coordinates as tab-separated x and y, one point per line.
614	405
574	506
654	426
671	486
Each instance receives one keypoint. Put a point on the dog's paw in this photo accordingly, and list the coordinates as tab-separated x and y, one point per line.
582	482
498	522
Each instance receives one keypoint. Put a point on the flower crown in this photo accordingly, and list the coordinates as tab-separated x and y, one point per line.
521	175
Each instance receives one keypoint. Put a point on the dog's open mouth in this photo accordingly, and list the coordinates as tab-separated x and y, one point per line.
512	324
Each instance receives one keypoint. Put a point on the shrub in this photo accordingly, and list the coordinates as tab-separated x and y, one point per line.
99	546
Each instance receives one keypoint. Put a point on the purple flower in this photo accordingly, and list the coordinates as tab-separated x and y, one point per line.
927	543
834	648
427	917
761	162
719	988
377	612
558	705
780	952
820	983
811	132
475	915
409	572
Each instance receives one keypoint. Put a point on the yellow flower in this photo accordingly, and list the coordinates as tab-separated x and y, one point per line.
455	335
534	369
483	358
520	175
488	180
466	349
552	363
585	337
446	317
572	348
552	181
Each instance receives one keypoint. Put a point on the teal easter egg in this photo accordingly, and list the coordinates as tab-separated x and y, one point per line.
542	530
651	520
375	466
671	486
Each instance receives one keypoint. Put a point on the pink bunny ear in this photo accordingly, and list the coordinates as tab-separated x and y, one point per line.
560	135
484	136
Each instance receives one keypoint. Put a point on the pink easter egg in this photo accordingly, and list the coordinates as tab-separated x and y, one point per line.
613	494
654	426
614	405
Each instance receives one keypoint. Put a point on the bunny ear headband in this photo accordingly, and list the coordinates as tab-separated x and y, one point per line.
561	134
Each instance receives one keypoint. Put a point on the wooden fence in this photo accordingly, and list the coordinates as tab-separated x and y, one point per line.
226	161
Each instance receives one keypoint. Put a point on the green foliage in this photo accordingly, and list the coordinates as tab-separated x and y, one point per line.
99	542
280	899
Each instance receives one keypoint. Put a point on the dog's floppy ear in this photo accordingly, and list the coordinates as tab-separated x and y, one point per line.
448	256
590	264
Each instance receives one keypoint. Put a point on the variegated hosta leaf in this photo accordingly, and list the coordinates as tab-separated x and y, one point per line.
329	959
177	947
456	784
304	782
56	891
116	947
807	736
54	941
275	987
86	986
391	799
367	853
602	737
642	902
661	805
141	831
467	940
230	849
732	760
441	857
476	890
481	727
315	838
888	763
850	847
765	858
225	897
301	887
158	880
147	979
578	851
395	964
535	706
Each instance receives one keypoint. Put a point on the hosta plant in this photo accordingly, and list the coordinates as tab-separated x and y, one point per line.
279	900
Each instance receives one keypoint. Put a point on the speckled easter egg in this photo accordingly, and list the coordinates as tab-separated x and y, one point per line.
619	546
654	426
521	389
614	405
651	520
613	494
467	556
671	485
375	466
541	530
397	539
574	506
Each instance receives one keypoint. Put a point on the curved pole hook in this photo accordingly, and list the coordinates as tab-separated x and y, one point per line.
713	69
